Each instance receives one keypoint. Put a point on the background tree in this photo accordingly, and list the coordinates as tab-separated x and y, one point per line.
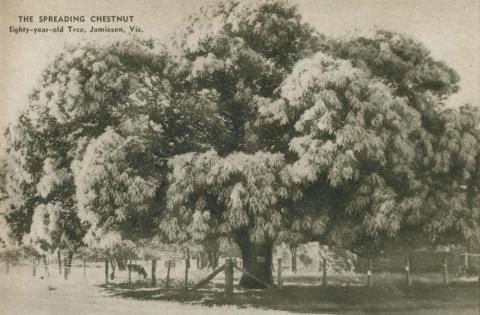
95	138
407	66
4	237
43	140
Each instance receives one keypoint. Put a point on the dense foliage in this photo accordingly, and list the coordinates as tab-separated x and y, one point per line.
249	127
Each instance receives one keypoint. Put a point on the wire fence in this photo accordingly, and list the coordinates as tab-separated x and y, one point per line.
420	262
172	273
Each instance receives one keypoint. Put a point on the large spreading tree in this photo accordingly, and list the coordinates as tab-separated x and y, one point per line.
248	127
341	141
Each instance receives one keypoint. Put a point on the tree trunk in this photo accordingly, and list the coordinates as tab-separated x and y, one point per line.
112	264
70	258
216	257
203	260
122	264
257	260
293	249
213	257
112	275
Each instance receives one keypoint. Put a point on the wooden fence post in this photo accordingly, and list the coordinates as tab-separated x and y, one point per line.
65	268
369	272
59	259
46	261
130	271
478	281
407	271
34	268
154	271
228	276
106	270
167	283
279	272
324	275
445	271
7	266
84	269
187	266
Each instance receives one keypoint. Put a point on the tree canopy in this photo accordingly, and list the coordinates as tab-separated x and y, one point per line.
248	126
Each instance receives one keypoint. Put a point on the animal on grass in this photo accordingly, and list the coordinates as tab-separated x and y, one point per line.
138	269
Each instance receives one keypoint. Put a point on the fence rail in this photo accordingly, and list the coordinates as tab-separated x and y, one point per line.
171	273
157	272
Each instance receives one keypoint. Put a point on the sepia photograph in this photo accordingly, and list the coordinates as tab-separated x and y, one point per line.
249	157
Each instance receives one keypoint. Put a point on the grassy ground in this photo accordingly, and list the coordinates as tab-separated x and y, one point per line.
20	293
345	294
47	297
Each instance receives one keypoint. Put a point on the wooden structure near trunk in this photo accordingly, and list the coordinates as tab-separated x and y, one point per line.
229	268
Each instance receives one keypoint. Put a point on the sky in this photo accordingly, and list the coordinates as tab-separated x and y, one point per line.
449	28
